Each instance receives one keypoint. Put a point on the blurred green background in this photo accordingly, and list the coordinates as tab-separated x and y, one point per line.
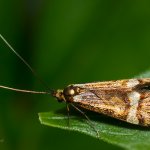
66	41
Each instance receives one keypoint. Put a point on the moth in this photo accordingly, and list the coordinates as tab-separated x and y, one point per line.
127	100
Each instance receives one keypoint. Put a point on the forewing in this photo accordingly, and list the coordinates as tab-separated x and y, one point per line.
128	100
143	111
104	98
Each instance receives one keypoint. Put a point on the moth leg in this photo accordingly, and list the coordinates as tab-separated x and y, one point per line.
88	119
68	110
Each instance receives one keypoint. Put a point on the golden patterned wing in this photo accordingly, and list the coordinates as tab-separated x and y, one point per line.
143	111
122	99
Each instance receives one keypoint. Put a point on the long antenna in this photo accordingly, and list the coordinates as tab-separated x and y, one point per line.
29	67
24	91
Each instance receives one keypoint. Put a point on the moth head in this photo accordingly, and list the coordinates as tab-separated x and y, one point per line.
66	94
59	95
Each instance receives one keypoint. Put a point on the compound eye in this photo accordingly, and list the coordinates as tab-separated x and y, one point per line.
69	91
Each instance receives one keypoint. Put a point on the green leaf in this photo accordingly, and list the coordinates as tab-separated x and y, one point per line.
110	130
145	74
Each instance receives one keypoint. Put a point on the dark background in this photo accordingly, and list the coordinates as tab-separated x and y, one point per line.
65	41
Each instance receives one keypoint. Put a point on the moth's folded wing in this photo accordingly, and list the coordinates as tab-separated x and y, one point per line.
114	106
143	112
